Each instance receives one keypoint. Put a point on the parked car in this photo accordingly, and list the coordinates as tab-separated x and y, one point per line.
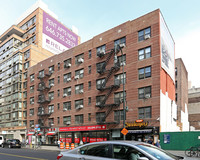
11	143
115	150
1	140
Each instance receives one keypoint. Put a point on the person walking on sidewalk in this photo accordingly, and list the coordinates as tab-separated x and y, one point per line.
58	143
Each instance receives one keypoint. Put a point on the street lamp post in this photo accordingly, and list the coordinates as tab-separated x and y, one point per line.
124	109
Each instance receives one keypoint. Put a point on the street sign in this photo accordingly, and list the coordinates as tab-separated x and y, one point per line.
124	131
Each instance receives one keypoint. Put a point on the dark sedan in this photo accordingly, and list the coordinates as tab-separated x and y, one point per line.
11	143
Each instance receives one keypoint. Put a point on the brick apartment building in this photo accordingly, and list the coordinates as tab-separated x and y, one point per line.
22	46
181	97
193	108
77	95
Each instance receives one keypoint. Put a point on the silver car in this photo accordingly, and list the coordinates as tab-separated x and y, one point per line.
115	150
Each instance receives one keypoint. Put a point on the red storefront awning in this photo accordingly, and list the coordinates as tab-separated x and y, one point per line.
51	133
30	133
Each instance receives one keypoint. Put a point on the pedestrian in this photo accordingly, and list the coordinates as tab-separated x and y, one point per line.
150	140
158	143
59	143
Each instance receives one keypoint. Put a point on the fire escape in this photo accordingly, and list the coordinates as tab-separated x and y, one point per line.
43	101
101	69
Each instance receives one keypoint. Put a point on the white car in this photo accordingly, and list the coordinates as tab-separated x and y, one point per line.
115	150
1	140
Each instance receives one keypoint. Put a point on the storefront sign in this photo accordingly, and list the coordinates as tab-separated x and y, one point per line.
68	140
137	124
93	140
99	139
82	128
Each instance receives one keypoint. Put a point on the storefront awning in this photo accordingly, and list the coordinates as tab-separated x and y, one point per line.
30	133
51	133
40	133
140	131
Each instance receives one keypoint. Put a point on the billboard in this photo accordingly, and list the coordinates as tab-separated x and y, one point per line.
56	38
167	49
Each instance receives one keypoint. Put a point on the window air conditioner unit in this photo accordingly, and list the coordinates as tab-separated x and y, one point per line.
147	96
80	107
122	45
65	109
147	36
29	114
98	103
76	77
68	65
80	60
68	122
65	95
68	79
51	84
81	91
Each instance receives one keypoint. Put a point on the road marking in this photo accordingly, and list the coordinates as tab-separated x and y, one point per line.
22	156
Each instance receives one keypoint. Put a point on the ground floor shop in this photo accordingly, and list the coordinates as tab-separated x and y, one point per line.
14	134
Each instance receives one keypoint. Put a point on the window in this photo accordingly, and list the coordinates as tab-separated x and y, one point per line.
98	150
118	115
51	69
31	122
89	100
67	77
41	74
67	120
66	106
40	110
25	85
89	54
100	83
25	94
144	92
31	89
58	93
31	112
79	59
25	104
58	66
100	117
144	34
176	97
58	79
144	112
26	65
79	104
79	89
51	83
79	119
89	69
121	41
26	54
101	50
144	72
100	99
118	97
32	77
100	67
67	63
144	53
67	91
58	120
31	100
51	121
51	96
89	85
122	60
79	74
51	109
25	75
176	84
176	71
58	106
89	116
119	78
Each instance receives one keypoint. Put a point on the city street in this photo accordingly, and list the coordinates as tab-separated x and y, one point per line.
27	154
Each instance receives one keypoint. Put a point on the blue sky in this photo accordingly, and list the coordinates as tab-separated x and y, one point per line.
93	17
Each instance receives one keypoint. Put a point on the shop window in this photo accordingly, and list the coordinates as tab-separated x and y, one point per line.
144	112
79	119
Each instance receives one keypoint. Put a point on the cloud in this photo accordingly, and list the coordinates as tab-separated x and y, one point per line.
187	48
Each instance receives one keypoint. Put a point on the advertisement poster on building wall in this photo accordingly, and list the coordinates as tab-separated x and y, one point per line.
56	38
167	49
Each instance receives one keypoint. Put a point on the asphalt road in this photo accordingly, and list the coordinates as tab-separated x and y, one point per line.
27	154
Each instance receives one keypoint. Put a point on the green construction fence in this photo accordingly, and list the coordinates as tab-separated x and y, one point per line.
179	140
